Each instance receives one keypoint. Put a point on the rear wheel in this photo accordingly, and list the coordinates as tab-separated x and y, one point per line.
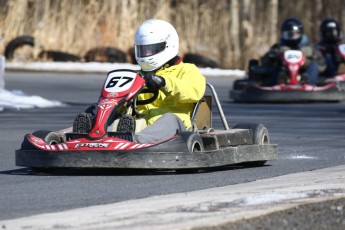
260	137
195	145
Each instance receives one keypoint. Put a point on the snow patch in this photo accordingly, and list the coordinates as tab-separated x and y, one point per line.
17	100
302	157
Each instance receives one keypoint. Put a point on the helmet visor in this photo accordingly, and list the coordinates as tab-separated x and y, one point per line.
331	33
149	50
292	35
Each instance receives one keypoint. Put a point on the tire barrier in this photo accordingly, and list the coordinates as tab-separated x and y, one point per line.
105	54
16	43
97	54
199	60
58	56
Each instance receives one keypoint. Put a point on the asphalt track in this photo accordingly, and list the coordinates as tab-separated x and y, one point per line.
310	137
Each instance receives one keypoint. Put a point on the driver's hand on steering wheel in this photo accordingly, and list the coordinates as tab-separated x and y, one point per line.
153	81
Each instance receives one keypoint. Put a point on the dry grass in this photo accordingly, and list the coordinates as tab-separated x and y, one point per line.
230	32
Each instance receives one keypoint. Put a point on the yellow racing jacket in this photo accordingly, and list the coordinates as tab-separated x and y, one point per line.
184	86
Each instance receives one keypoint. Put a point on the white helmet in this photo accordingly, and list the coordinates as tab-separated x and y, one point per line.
156	43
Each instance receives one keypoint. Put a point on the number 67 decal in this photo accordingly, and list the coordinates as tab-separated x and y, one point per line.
119	81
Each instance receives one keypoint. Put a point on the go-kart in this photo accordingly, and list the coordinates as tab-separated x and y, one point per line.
292	87
103	146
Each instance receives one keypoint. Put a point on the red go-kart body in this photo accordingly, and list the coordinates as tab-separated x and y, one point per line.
202	147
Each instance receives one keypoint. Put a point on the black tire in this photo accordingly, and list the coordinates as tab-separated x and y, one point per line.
105	54
16	43
194	142
260	132
240	84
126	124
199	60
251	65
58	56
82	123
195	145
260	137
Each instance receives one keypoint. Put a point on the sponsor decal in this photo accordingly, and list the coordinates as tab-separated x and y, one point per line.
112	95
294	56
107	103
104	106
92	145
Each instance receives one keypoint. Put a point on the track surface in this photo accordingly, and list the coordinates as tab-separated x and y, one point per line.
310	136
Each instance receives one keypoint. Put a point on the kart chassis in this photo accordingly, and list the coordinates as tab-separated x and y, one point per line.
246	144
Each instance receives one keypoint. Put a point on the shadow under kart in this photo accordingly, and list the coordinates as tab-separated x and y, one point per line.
203	147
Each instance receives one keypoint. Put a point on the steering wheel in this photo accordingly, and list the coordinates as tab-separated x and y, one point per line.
154	93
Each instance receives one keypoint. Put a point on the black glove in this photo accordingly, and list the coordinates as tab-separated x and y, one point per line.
273	54
153	81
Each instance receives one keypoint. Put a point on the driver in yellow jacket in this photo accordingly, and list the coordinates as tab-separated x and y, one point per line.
180	85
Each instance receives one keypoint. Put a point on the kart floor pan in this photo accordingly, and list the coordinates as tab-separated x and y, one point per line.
146	160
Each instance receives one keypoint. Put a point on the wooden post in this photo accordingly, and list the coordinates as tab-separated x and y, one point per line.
273	22
235	28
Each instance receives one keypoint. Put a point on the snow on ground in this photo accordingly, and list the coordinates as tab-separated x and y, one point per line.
19	100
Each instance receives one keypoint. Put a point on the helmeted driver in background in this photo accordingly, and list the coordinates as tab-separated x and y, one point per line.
180	85
331	37
293	37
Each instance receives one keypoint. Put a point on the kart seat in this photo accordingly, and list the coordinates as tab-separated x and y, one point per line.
202	114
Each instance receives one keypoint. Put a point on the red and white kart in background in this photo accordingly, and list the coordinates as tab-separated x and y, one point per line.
105	147
293	89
